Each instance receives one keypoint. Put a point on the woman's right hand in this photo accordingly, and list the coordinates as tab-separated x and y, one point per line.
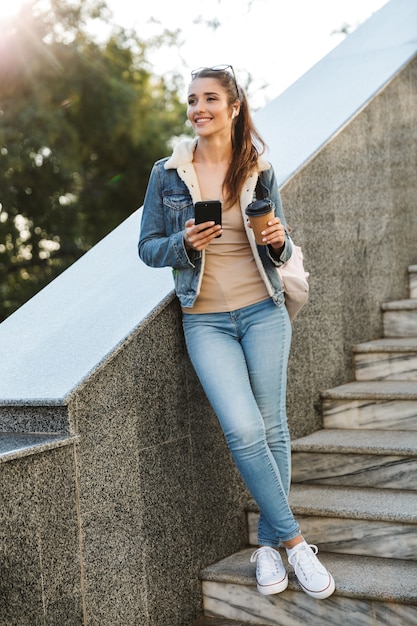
198	236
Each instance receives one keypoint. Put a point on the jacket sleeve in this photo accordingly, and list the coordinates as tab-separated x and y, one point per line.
270	182
157	247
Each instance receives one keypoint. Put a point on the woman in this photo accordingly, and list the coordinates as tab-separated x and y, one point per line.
233	306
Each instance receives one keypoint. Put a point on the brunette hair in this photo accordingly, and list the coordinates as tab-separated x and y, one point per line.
247	144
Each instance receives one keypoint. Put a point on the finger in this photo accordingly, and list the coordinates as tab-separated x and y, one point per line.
274	235
205	235
274	222
200	236
204	226
273	230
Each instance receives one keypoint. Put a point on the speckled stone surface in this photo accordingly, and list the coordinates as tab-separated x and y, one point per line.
386	358
376	442
412	270
159	495
295	609
384	405
368	458
40	575
18	445
400	318
398	585
350	520
47	417
368	592
219	621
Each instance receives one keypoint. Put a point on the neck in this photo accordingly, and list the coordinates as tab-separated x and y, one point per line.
212	152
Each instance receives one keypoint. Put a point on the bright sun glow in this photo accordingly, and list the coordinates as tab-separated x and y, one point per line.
9	7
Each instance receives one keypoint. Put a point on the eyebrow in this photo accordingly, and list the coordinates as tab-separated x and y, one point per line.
206	93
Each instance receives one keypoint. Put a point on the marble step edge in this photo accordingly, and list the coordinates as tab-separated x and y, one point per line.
221	621
387	345
373	390
355	576
412	282
19	445
354	441
360	503
409	304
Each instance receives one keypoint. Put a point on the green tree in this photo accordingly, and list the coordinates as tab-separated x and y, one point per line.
81	123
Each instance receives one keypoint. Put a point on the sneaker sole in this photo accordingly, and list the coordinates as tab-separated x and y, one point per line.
321	595
268	590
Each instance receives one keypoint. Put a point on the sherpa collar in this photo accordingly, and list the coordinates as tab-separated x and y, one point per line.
184	151
182	161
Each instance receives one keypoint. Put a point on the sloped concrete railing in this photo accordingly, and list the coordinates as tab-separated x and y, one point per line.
147	486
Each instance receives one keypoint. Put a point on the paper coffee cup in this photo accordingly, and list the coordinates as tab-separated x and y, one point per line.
259	214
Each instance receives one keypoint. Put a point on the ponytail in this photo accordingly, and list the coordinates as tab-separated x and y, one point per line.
247	144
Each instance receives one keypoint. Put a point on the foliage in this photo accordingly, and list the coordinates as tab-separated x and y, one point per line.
81	123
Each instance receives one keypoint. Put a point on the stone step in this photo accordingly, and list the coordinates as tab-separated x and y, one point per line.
221	621
352	520
399	318
369	591
412	279
383	405
356	458
17	445
41	416
386	359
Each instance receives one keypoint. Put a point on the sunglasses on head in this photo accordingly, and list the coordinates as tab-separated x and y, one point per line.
226	69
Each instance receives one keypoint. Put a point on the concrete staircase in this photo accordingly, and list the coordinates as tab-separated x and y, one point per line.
355	494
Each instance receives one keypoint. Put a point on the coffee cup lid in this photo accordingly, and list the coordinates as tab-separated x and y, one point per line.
259	207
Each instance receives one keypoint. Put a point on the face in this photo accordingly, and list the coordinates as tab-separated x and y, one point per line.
208	109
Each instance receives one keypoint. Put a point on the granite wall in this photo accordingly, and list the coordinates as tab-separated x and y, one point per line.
40	561
159	495
353	209
114	526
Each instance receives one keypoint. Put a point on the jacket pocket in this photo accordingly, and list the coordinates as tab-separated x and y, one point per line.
178	208
177	200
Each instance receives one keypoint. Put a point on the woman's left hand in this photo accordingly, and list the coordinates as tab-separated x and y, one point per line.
274	235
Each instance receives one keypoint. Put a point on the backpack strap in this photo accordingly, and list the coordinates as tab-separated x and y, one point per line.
260	190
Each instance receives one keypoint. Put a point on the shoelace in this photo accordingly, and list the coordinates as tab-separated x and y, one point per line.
268	558
303	558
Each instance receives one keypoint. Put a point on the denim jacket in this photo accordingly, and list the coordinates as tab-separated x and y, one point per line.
169	202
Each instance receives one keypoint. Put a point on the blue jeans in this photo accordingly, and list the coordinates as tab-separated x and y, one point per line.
241	360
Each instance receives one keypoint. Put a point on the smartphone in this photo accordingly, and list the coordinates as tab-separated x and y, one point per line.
208	211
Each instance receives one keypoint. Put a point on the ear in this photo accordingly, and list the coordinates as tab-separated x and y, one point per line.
235	112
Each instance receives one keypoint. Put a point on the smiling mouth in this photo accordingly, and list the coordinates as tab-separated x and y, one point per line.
201	120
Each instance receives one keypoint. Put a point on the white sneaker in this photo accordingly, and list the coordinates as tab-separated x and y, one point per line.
271	575
313	577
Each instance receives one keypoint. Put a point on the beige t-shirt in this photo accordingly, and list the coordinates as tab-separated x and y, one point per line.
231	279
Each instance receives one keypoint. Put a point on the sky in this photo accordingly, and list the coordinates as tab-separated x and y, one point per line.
273	41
